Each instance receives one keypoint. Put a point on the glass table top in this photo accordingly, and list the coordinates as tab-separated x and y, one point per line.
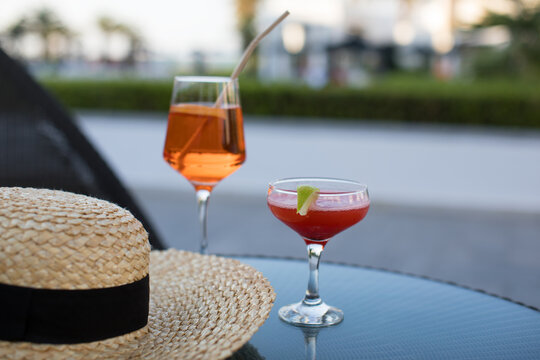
391	316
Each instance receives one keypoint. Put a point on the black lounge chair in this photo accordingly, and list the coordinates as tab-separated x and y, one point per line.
42	147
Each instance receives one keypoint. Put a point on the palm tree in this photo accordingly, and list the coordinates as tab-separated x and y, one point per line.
15	33
109	27
46	24
135	42
49	28
522	56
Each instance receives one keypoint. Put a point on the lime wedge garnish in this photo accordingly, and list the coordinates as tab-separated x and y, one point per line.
306	196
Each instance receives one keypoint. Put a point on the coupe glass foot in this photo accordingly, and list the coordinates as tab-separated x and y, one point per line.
300	314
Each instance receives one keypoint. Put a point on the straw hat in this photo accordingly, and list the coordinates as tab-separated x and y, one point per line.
74	284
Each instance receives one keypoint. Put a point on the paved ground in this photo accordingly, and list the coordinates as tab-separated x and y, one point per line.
456	204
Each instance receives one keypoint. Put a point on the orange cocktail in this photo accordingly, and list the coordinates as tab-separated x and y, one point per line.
204	143
205	135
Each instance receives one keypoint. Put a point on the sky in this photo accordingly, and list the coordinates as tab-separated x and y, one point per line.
174	29
171	28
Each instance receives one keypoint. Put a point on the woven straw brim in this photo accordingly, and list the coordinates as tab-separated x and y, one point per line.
201	307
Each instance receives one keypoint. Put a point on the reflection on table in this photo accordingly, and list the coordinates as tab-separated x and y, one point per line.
392	316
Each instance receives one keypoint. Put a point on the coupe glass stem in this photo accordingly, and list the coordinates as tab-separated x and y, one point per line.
310	340
314	257
202	203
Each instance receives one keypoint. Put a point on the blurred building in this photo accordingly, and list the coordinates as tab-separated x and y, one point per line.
374	36
342	42
298	51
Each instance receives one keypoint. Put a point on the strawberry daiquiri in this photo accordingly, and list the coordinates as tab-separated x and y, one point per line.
328	216
317	209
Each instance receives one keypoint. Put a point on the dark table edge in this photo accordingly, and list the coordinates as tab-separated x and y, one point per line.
425	277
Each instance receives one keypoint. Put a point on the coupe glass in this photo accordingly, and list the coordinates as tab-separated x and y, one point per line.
339	205
205	135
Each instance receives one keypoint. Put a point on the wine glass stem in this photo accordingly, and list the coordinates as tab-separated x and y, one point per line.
202	203
312	292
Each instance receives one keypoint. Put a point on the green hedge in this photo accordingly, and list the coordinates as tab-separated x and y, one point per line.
502	103
112	94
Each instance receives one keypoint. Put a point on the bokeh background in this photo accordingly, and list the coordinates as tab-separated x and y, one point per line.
435	104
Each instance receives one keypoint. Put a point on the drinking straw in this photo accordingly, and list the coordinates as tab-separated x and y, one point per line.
237	70
247	53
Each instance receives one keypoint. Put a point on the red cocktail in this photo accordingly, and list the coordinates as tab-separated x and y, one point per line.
325	208
326	217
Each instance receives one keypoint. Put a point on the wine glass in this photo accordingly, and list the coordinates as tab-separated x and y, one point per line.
205	135
339	205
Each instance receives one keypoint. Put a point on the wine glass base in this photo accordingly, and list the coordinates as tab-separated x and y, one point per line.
300	314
